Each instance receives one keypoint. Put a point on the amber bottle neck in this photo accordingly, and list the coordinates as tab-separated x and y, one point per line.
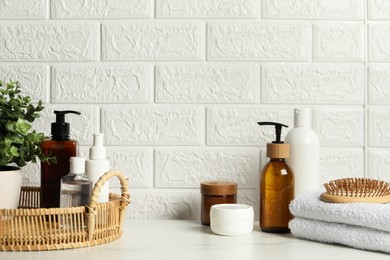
277	159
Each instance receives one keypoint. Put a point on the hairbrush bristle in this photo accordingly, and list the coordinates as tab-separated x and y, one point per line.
358	187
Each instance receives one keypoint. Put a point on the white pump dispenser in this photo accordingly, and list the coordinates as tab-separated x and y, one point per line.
97	165
304	152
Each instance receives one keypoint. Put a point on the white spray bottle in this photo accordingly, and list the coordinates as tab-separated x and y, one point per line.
97	165
304	152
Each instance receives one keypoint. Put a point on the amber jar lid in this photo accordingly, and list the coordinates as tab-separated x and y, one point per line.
218	188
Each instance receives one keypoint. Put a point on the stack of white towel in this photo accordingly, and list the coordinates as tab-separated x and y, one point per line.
359	225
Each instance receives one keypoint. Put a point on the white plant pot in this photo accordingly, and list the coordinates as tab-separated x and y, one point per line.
10	186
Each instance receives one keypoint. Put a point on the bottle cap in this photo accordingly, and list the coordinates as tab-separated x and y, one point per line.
218	188
77	165
279	151
302	117
60	128
97	150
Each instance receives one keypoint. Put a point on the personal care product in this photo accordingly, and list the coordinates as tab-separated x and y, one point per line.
62	148
97	165
76	187
304	152
231	219
276	186
216	192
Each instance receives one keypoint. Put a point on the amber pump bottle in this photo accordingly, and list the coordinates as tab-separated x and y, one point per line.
62	148
276	186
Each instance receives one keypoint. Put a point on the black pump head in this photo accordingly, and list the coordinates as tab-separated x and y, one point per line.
278	130
60	128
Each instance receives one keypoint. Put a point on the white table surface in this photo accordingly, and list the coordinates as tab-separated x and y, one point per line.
180	239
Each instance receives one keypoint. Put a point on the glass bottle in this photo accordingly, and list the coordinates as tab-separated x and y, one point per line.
76	187
276	193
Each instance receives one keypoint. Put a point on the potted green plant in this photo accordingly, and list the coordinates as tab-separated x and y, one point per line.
18	143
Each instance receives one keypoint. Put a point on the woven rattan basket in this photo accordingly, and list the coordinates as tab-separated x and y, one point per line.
31	228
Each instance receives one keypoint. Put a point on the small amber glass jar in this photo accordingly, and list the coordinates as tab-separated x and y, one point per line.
216	192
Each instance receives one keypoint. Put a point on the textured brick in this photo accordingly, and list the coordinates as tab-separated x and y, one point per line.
160	204
81	126
22	9
335	83
378	164
102	84
338	42
152	41
378	127
378	9
238	125
278	41
313	9
378	84
339	126
31	174
208	83
341	163
33	79
207	9
135	163
378	42
48	41
186	168
92	9
125	125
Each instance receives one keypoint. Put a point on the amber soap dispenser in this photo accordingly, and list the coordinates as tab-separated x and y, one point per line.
276	186
62	148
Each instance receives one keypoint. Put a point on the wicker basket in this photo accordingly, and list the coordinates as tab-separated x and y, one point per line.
31	228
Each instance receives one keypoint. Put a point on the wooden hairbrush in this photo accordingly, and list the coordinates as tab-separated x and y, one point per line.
354	190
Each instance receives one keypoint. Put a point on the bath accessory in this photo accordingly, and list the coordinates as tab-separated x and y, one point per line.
62	148
371	215
359	225
76	187
353	190
231	219
276	186
97	165
31	228
336	233
216	192
304	152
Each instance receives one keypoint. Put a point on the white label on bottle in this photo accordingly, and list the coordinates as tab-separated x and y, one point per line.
284	172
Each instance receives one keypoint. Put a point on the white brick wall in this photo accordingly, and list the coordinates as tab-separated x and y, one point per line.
177	86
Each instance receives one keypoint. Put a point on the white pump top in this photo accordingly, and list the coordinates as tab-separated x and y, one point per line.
302	117
77	165
97	150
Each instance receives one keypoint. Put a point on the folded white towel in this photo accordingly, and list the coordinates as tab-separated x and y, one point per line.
308	205
335	233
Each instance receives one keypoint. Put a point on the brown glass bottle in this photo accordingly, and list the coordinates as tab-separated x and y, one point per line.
62	148
276	193
52	173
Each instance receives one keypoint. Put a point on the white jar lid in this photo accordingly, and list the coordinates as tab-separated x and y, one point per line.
231	219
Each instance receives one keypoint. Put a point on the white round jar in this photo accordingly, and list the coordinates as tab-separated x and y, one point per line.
231	219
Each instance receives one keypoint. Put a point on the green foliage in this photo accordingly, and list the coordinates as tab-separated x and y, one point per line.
17	144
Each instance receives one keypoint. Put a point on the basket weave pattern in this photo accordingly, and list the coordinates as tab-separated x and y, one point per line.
31	228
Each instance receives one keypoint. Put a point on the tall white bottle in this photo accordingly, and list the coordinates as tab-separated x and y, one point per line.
304	152
97	165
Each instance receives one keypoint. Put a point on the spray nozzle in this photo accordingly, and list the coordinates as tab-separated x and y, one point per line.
97	150
60	128
278	130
